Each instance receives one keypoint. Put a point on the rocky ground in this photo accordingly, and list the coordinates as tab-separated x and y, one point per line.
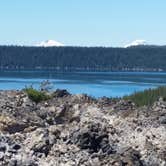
76	130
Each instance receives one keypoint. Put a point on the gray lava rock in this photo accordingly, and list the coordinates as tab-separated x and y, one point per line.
40	142
79	130
130	157
94	138
60	93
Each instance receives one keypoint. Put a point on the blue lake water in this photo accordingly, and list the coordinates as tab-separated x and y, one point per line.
97	84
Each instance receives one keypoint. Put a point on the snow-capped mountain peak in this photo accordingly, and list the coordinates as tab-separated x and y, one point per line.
50	43
136	43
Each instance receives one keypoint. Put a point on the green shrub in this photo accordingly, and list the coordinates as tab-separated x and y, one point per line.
147	97
35	95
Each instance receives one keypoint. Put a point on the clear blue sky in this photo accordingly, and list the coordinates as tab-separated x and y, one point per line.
82	22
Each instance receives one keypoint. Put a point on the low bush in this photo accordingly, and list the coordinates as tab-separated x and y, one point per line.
36	95
147	97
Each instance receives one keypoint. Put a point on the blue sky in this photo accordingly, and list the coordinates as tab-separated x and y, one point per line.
82	22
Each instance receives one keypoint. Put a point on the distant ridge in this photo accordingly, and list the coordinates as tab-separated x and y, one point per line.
135	58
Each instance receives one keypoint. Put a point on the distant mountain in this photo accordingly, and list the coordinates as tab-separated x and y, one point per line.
136	43
50	43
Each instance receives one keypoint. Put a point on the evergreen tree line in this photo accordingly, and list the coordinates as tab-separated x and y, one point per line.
141	58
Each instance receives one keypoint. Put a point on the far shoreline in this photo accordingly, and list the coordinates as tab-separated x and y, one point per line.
81	71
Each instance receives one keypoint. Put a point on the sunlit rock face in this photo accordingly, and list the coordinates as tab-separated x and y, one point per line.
79	130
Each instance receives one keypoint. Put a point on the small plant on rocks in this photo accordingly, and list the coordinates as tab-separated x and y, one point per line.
36	95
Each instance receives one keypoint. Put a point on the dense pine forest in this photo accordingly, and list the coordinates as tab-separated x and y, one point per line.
140	58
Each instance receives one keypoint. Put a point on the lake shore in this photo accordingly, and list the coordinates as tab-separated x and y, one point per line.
71	130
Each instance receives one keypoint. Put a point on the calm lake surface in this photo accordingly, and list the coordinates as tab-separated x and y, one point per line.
97	84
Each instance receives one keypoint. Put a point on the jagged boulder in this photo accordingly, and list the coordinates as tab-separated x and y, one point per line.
93	138
60	93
